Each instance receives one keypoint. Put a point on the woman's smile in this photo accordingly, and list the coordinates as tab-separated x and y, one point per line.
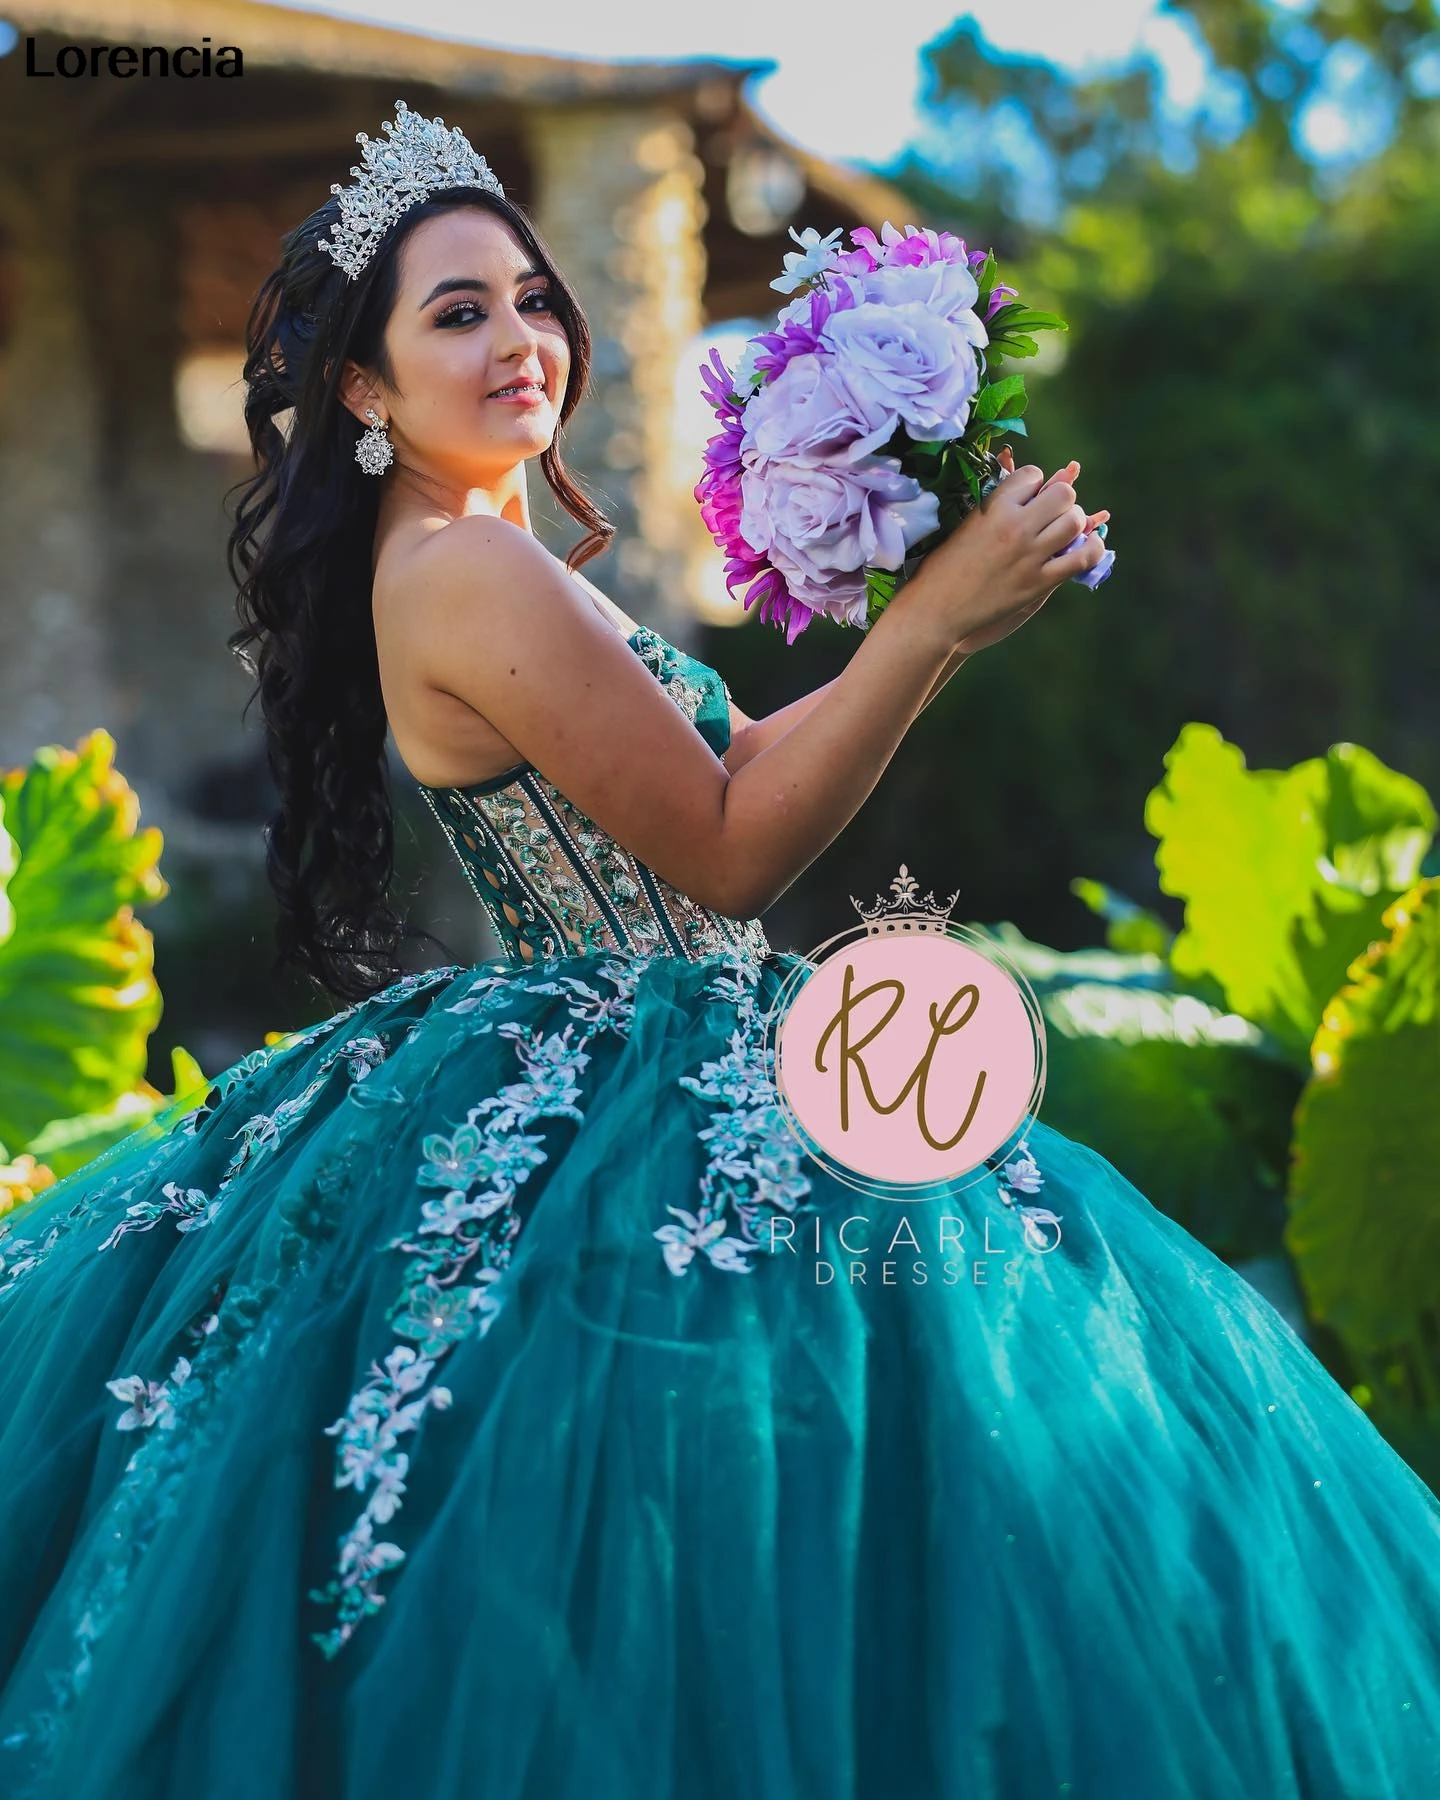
520	393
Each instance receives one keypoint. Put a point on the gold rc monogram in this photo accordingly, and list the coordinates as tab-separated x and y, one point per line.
882	1009
942	1025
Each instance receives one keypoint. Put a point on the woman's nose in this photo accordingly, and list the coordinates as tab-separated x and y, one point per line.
516	331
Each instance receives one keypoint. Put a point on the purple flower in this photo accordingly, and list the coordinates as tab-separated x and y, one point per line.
908	358
946	289
748	573
823	526
915	247
1091	578
799	327
998	296
809	413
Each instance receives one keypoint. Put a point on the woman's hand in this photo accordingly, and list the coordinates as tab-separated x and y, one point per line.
1005	560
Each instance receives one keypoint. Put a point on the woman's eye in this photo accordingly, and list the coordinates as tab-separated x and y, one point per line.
466	312
461	313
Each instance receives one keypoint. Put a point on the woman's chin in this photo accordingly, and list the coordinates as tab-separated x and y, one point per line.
534	428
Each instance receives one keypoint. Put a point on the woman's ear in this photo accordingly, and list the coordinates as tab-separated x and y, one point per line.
358	392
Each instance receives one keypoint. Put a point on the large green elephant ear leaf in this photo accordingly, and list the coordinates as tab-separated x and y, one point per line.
1285	873
1364	1227
1128	925
68	1144
1190	1103
78	999
9	859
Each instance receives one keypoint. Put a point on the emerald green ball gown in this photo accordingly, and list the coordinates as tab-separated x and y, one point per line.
435	1412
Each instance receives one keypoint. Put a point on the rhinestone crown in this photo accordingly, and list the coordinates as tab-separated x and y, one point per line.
416	157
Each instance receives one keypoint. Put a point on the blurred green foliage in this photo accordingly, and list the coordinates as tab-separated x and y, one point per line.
1252	385
1267	1076
78	999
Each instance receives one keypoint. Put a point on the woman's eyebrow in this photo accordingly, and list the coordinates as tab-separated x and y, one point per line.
471	283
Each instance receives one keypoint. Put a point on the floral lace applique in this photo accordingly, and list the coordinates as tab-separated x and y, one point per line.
150	1402
671	668
476	1170
754	1171
22	1255
177	1419
1021	1175
191	1207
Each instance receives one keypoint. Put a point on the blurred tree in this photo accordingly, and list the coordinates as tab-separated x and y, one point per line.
1251	382
1298	91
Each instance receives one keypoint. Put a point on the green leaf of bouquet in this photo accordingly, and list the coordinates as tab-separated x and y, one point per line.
987	276
997	396
1364	1228
1191	1103
78	999
1285	874
1014	346
1011	428
1016	317
880	586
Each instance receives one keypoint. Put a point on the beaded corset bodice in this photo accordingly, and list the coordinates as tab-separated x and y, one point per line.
553	883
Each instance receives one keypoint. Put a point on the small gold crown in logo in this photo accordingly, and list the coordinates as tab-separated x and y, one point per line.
903	912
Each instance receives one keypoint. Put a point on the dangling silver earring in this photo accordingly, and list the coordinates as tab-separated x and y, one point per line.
373	451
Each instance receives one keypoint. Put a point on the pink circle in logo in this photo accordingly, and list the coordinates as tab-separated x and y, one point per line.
908	1057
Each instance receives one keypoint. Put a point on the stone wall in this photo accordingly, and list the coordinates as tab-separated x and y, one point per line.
619	202
54	633
114	599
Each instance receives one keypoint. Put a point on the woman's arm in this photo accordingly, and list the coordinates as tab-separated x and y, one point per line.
749	736
496	622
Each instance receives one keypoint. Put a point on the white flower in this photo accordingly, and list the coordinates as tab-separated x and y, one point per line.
746	374
816	255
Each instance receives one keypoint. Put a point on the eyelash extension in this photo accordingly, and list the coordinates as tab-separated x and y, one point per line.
457	306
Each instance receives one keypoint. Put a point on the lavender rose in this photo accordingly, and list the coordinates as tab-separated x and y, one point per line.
909	358
809	413
822	526
948	289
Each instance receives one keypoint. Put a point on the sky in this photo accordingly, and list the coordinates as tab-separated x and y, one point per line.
848	91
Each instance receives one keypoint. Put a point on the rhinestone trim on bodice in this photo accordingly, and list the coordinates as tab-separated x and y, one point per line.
554	883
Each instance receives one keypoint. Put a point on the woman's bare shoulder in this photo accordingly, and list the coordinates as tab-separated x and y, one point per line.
477	552
482	564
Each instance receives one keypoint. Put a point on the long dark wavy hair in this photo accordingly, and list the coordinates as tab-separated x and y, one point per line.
300	553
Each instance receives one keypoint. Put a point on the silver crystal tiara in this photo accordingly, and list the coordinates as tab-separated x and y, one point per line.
416	158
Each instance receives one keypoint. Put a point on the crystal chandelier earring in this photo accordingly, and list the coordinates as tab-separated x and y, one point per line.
373	450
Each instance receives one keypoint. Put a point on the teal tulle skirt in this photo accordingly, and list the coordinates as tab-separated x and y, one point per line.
456	1406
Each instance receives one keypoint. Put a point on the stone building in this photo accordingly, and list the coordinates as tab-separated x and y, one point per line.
139	212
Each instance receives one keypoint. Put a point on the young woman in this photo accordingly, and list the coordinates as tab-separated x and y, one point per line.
425	1414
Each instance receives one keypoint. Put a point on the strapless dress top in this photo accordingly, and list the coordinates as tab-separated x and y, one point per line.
554	883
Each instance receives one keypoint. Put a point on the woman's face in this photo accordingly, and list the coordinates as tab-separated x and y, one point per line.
478	359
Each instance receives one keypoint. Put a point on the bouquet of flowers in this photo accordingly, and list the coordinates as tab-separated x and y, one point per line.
857	433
